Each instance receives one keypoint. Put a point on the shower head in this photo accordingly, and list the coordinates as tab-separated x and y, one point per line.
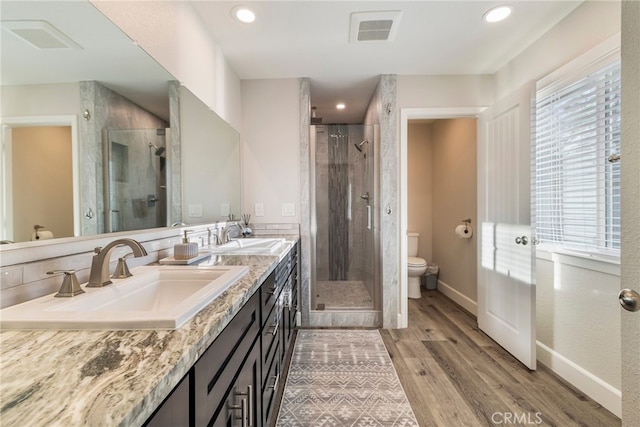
359	146
159	150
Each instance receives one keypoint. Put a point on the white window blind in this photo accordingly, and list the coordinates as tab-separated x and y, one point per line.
576	160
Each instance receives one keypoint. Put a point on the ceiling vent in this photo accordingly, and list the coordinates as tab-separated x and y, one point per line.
39	34
379	26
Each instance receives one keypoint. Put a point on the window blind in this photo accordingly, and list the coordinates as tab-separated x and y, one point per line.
576	160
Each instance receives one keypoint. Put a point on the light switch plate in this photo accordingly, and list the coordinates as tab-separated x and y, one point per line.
224	209
258	209
195	211
288	209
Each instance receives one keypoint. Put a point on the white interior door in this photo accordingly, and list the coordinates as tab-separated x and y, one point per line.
506	291
630	206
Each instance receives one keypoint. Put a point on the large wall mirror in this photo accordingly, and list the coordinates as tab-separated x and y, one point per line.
87	116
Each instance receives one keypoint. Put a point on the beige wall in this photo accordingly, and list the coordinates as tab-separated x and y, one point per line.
420	186
454	199
270	141
42	184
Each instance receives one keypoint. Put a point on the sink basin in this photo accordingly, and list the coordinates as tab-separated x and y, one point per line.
253	245
154	297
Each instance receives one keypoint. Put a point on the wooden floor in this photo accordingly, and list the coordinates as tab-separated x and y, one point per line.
455	375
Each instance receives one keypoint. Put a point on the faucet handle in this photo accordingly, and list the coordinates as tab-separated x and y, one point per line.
122	269
70	286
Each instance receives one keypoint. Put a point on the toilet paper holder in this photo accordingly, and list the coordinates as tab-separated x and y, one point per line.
466	223
35	229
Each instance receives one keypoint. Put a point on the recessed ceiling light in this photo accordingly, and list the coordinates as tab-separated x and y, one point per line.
243	14
340	106
497	14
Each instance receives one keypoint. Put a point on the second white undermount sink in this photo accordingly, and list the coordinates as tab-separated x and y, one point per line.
252	245
162	297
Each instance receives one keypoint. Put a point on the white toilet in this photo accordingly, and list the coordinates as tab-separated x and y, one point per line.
416	266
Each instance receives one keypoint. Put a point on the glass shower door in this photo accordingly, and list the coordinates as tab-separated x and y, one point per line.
343	229
135	179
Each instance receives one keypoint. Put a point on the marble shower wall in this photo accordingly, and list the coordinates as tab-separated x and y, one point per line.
383	111
136	176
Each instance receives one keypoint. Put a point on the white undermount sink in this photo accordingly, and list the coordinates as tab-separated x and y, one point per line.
162	297
252	245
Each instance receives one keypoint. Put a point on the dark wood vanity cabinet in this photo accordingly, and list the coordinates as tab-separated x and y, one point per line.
174	411
236	380
219	376
278	330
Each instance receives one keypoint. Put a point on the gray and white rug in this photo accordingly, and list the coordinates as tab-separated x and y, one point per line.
343	378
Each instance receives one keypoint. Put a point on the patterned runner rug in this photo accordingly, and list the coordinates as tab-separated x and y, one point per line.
343	378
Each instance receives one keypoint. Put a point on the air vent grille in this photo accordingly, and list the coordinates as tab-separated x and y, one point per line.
379	26
375	30
39	34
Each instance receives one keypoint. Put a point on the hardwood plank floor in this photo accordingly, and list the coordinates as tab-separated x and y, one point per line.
455	375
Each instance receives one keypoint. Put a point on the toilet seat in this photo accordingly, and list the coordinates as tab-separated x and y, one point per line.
416	262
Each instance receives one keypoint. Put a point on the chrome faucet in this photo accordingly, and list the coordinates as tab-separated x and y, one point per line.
99	275
212	234
225	231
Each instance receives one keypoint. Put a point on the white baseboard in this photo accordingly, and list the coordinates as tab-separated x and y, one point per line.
461	299
597	389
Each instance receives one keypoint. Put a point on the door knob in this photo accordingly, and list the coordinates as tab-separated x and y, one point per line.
629	300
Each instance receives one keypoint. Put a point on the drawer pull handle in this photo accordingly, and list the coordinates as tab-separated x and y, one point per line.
274	329
243	411
275	382
249	394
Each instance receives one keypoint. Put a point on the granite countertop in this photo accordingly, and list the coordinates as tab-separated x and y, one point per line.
112	377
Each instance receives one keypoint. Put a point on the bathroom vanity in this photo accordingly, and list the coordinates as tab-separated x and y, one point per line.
235	381
222	367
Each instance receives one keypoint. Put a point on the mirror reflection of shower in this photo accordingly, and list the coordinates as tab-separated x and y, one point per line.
135	179
344	239
159	151
359	146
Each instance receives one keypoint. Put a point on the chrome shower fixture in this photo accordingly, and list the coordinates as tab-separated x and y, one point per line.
159	150
359	146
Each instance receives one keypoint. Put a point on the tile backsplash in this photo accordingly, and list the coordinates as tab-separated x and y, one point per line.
24	266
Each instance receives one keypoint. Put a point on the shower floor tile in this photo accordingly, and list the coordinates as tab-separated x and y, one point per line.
341	295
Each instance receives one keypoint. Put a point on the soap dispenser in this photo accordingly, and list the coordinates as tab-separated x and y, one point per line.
186	249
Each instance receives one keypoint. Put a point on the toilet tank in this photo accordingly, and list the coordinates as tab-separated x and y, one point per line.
412	243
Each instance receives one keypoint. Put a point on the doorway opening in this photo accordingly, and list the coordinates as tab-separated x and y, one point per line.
39	178
417	115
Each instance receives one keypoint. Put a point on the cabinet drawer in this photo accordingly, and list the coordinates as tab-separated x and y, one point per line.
268	297
270	390
216	370
270	339
242	403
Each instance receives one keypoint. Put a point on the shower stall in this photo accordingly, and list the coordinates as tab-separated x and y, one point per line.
135	178
344	220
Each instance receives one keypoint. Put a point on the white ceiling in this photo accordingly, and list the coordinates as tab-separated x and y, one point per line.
289	39
311	39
